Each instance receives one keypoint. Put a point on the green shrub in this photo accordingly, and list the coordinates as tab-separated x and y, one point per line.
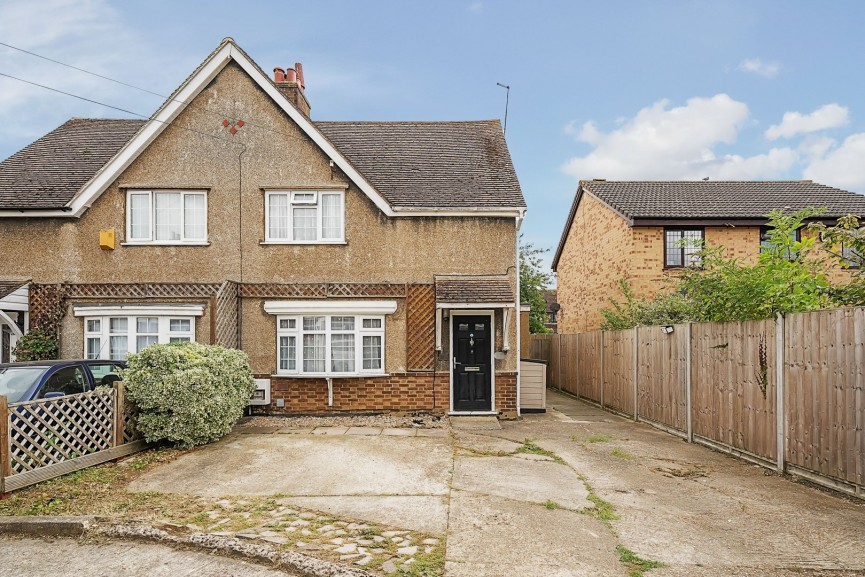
37	345
188	394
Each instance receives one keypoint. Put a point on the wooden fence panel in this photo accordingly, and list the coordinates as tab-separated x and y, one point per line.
733	375
540	347
569	376
619	370
589	369
825	401
661	389
555	361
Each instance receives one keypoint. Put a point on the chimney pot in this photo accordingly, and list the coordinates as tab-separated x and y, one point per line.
290	75
278	75
299	67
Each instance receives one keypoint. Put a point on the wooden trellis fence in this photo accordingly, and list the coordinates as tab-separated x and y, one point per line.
43	439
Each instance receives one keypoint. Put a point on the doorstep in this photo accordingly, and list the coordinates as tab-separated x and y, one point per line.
475	423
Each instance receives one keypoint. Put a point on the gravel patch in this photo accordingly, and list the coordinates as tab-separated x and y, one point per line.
381	421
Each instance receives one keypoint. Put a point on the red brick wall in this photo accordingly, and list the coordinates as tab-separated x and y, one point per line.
403	392
506	394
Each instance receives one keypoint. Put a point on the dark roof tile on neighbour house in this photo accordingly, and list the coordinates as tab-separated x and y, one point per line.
9	286
702	202
49	172
487	289
441	164
721	199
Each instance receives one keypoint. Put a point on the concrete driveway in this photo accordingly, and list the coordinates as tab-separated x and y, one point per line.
395	479
587	489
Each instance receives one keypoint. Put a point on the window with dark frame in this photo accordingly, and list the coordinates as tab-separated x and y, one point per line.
764	240
681	246
850	256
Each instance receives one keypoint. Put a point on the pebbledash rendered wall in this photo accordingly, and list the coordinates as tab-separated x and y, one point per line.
276	155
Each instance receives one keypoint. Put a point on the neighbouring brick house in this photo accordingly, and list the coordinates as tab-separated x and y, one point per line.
362	265
632	230
552	310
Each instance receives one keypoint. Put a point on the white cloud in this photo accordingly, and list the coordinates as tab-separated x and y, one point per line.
476	7
842	167
676	143
793	123
76	32
760	68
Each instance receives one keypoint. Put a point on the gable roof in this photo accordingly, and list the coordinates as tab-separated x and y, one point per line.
443	164
719	203
49	172
476	141
720	199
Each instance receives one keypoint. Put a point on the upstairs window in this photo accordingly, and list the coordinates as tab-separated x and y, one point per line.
681	246
305	217
166	217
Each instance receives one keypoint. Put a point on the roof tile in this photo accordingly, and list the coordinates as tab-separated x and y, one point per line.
493	289
721	199
49	172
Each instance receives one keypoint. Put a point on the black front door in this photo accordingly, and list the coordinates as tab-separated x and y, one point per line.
472	348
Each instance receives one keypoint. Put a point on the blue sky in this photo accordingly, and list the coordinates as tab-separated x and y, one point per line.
613	89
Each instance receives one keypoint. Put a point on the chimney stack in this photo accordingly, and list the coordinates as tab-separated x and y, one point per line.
290	83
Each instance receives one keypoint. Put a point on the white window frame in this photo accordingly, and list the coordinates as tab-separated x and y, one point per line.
292	202
150	239
165	313
163	336
359	332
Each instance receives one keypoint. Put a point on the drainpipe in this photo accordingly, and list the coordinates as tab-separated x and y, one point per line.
329	392
518	222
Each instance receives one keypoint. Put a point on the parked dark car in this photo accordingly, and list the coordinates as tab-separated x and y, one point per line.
49	379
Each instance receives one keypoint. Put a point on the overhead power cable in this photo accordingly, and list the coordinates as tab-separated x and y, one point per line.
134	87
112	107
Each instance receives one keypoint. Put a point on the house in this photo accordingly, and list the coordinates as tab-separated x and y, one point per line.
552	310
633	230
13	315
362	266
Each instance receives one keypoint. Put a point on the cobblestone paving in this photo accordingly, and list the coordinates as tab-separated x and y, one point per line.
376	548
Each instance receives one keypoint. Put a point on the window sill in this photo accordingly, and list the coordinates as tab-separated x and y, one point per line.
166	243
267	242
327	375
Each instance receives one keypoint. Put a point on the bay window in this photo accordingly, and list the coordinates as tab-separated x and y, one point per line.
304	217
337	344
113	332
166	217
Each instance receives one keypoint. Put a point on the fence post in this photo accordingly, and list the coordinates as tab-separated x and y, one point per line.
119	407
559	363
5	464
577	364
688	394
636	372
781	448
602	369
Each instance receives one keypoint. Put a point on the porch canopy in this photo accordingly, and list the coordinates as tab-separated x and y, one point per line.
481	292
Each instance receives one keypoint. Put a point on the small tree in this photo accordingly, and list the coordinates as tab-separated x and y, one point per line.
37	345
534	280
188	394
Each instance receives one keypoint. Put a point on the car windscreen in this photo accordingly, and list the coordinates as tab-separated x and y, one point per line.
15	381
